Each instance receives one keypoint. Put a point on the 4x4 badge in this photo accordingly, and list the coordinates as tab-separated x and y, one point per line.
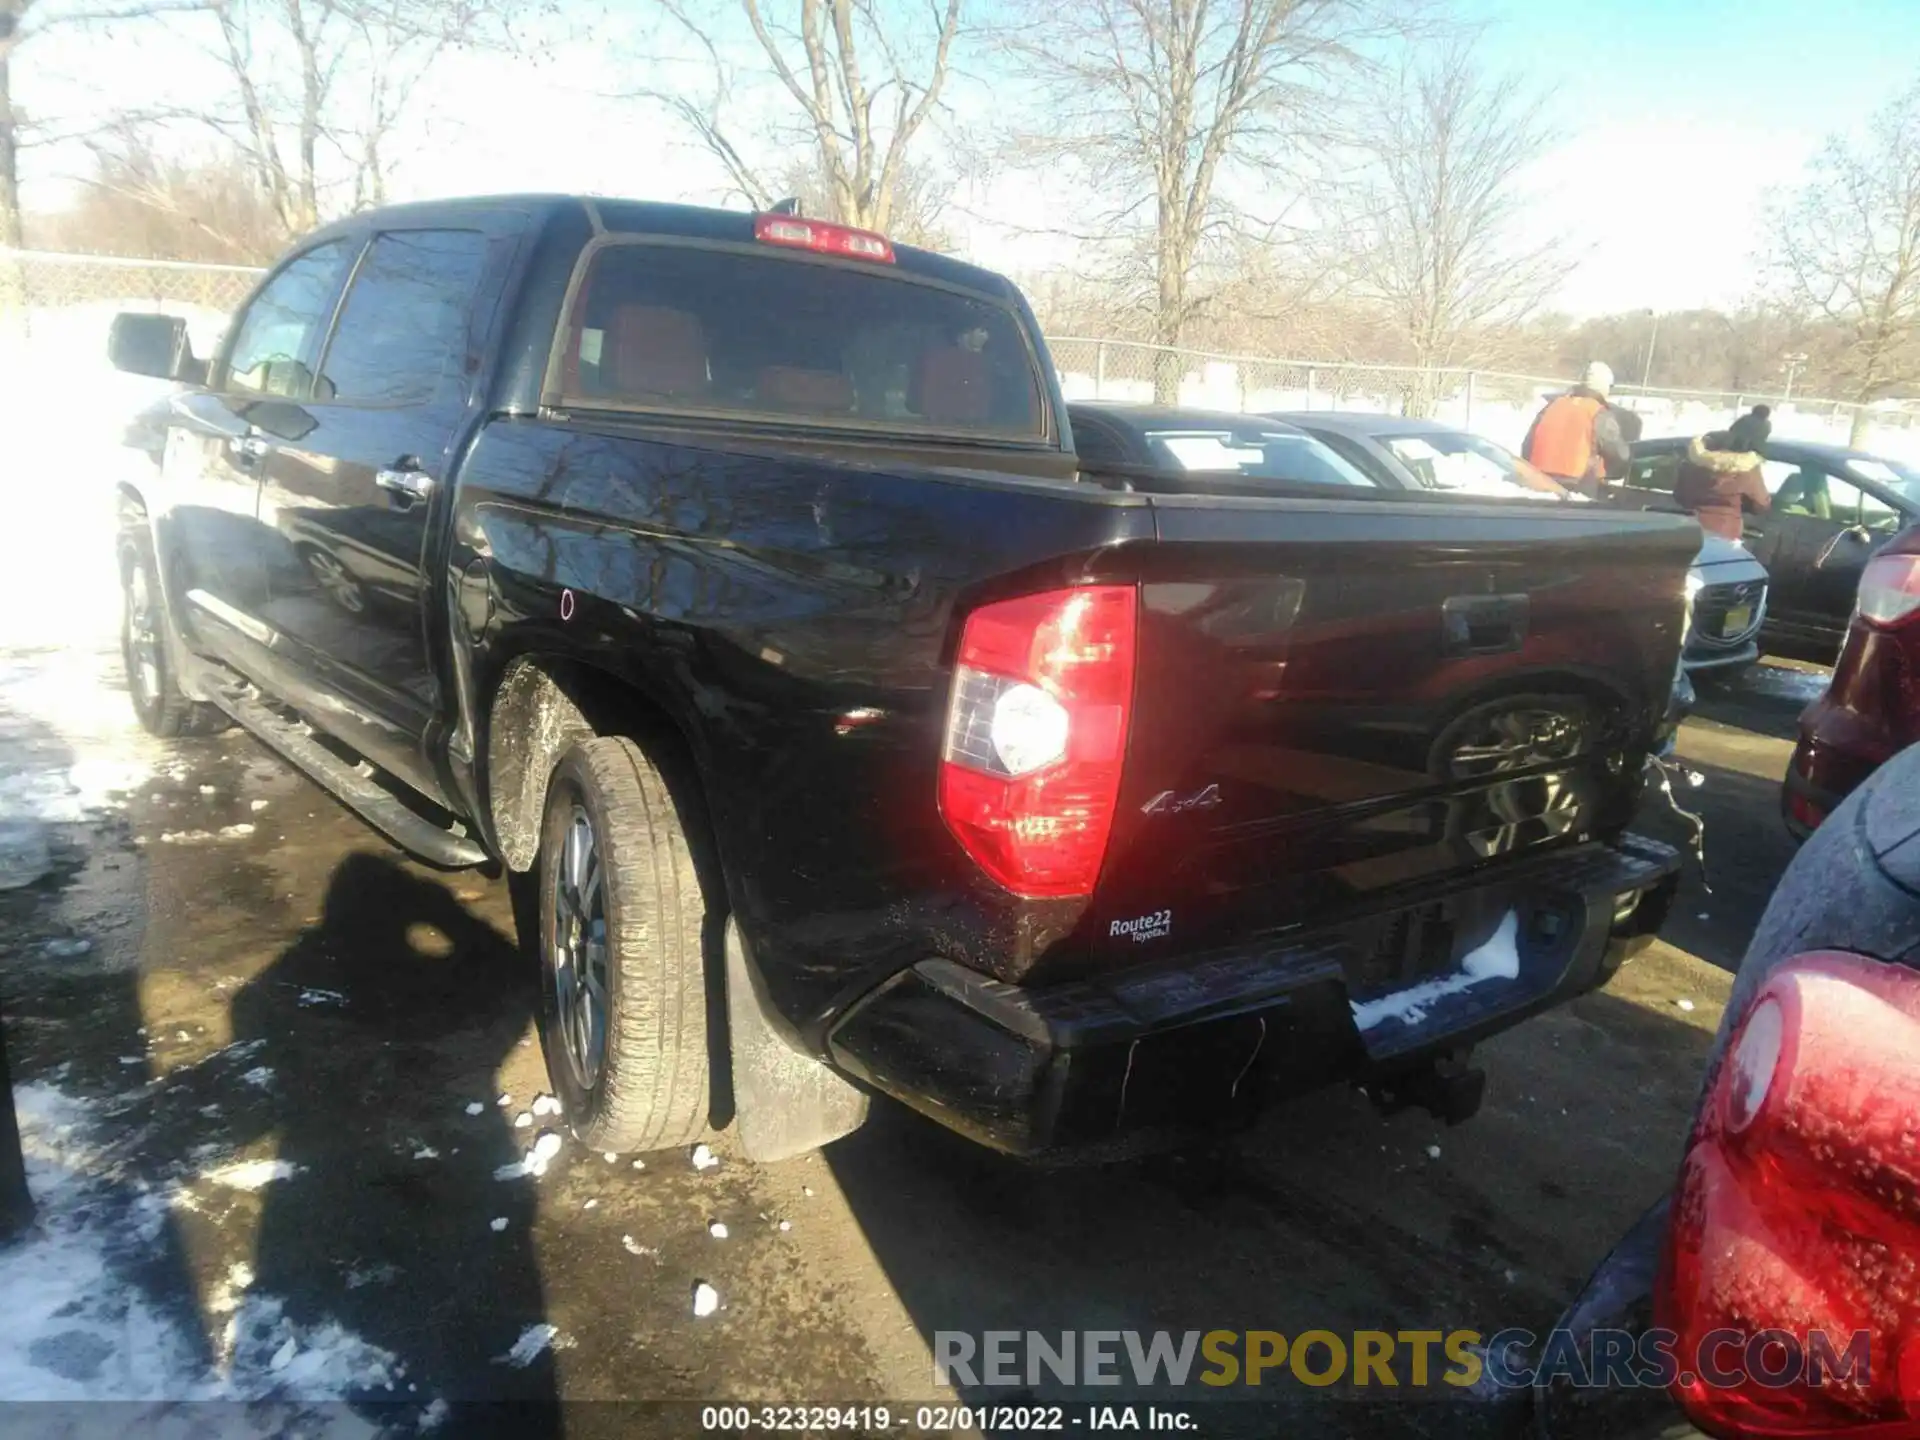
1168	803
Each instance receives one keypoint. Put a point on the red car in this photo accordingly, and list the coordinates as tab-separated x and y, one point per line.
1872	706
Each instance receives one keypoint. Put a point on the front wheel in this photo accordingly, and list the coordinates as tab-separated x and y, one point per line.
157	700
624	928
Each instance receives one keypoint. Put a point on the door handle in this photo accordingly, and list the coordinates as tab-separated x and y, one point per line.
1859	534
411	485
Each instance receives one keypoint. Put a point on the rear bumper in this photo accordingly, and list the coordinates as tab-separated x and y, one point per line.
1162	1050
1803	804
1838	749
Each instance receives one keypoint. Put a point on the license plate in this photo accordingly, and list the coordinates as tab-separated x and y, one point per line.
1737	620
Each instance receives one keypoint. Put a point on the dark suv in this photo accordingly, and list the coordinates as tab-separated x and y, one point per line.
1833	509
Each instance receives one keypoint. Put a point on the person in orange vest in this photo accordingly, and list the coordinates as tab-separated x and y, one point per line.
1576	438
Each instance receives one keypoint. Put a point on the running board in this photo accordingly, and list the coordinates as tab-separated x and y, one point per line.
353	786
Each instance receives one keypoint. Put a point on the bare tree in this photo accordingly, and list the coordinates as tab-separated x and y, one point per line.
316	88
139	202
13	18
1846	246
20	22
1428	224
1155	101
916	213
860	80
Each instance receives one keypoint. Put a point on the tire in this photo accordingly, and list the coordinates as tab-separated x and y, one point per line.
145	640
637	1078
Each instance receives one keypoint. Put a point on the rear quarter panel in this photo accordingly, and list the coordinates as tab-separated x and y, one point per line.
794	618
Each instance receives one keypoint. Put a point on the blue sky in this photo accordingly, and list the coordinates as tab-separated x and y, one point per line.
1675	117
1799	64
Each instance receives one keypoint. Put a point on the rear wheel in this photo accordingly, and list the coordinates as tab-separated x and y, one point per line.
624	923
157	700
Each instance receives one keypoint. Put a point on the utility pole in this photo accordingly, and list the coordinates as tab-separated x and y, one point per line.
1793	364
1653	338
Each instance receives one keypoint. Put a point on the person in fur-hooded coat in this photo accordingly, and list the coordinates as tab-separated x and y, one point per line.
1720	480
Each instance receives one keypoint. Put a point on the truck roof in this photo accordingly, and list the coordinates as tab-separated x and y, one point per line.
652	217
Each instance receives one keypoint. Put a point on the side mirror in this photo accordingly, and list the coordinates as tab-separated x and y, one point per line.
154	345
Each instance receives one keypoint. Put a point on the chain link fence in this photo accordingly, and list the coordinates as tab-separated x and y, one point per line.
1498	404
62	305
36	285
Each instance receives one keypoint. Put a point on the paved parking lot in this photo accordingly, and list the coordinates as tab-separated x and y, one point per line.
280	1048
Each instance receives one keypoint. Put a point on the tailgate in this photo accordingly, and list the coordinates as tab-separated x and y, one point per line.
1335	699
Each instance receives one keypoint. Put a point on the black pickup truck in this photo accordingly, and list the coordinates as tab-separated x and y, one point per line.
732	580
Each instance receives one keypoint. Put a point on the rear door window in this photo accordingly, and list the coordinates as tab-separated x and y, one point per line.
402	332
699	330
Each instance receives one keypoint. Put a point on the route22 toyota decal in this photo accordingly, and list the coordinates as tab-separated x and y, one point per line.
1156	926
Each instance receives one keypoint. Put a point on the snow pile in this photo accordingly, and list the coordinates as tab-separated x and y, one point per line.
534	1163
252	1174
531	1345
78	1329
1498	958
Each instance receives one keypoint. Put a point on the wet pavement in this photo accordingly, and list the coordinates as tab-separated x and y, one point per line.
289	1043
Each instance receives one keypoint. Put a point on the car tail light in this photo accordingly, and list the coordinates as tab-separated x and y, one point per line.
1796	1222
1036	735
827	239
1890	590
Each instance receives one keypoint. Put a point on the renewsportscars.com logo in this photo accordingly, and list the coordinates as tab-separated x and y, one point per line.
1411	1360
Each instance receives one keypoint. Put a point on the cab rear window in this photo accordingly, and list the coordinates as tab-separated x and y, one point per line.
685	329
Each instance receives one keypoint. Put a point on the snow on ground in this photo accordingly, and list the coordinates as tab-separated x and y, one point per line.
252	1174
68	739
77	1328
77	1319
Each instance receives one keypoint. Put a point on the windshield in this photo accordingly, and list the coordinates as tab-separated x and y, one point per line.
688	329
1255	454
1452	461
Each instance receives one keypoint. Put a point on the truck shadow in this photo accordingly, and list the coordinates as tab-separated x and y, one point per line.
388	1222
1324	1216
333	1206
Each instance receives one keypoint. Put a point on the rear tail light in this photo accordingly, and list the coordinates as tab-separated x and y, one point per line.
1890	590
1037	733
823	237
1792	1272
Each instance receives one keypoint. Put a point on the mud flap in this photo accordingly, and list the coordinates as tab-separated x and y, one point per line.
785	1101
